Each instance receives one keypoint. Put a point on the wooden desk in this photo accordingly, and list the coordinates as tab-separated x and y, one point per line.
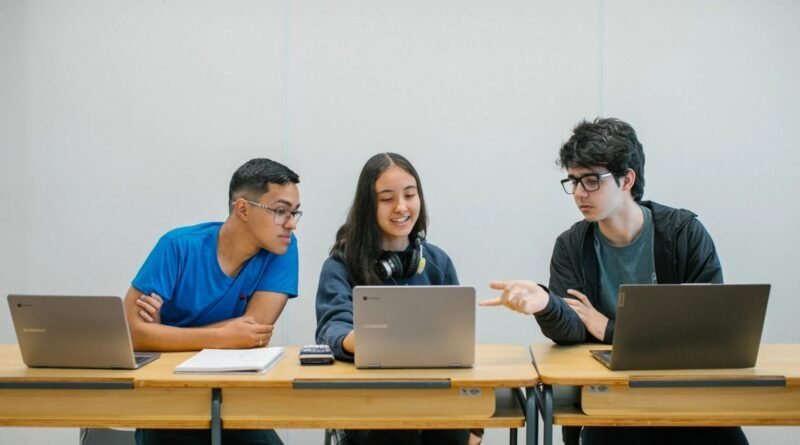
768	394
96	398
288	396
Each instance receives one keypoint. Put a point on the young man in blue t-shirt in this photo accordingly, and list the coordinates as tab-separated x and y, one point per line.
221	285
621	240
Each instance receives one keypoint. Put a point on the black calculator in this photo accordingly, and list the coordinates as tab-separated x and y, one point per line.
316	355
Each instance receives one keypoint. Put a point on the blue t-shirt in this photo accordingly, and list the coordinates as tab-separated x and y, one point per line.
183	269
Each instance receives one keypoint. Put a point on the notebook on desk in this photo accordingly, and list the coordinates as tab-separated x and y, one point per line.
687	326
414	326
74	332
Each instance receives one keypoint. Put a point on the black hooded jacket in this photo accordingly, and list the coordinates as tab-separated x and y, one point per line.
684	253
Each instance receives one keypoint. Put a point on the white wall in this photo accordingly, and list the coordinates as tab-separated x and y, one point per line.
120	120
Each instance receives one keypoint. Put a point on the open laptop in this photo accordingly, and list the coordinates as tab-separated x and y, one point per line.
687	326
414	326
74	332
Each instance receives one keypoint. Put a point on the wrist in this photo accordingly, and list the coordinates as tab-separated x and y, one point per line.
217	337
538	301
348	343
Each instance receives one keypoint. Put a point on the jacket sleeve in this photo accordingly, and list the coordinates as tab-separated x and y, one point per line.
697	259
450	275
334	307
557	320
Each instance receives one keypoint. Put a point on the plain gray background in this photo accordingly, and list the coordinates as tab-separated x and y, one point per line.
120	120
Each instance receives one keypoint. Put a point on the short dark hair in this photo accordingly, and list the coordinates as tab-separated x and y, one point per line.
606	142
253	178
358	241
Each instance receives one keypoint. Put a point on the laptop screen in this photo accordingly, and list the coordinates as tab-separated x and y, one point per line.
414	326
688	326
72	331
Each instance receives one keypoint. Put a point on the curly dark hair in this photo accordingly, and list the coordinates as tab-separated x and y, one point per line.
606	142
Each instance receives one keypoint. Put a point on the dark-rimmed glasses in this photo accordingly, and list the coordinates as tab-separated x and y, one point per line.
590	182
279	215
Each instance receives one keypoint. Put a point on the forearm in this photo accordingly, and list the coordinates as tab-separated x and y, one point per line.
334	307
333	334
560	323
163	338
557	320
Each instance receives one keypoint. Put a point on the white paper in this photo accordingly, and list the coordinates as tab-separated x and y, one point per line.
256	360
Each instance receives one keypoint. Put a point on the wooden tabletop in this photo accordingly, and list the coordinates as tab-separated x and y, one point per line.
13	369
164	399
496	366
574	365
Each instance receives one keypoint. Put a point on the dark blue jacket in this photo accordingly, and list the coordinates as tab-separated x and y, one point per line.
335	294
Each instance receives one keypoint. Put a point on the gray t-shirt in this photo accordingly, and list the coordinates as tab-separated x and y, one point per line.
630	264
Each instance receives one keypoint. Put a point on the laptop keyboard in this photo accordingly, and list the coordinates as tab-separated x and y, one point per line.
606	355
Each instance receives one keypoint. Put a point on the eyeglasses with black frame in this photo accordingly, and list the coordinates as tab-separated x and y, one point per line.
589	181
279	216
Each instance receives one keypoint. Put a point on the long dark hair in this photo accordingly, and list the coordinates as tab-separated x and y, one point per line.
358	241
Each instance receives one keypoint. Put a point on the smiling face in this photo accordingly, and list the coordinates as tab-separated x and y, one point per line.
398	207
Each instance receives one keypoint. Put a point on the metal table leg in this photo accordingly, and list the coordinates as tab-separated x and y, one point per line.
531	418
547	414
216	418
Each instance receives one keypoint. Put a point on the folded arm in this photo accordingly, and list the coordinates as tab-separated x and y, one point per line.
253	329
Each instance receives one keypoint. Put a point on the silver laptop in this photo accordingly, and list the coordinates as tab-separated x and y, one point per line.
74	332
414	326
687	326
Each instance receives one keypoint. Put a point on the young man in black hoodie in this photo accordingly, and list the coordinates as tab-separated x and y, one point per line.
621	240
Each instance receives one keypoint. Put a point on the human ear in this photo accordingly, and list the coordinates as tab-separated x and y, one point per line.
629	179
239	208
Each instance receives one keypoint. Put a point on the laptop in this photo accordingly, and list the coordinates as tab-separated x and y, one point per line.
687	326
74	332
414	326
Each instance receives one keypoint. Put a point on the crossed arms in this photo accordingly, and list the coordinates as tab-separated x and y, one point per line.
252	329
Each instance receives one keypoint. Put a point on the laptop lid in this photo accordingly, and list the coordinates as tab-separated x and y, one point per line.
74	332
414	326
688	326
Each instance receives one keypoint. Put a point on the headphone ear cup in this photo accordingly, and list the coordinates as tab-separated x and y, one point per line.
416	261
388	265
413	264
